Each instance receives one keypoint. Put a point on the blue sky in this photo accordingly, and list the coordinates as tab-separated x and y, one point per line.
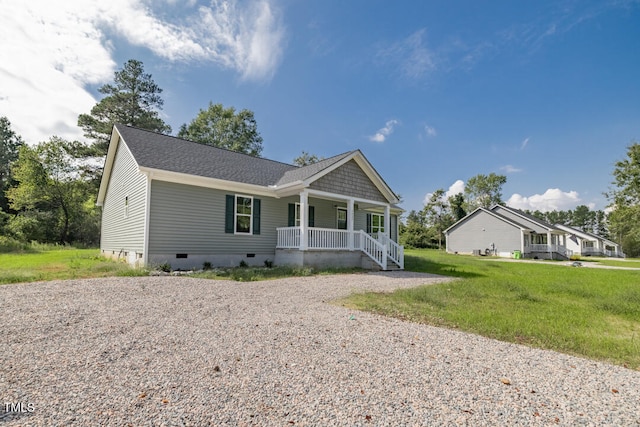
433	93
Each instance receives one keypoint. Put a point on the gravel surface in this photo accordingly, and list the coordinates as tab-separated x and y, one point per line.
179	351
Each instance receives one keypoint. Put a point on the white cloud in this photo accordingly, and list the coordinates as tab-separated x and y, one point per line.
510	169
455	188
524	143
384	132
58	48
431	131
413	58
552	199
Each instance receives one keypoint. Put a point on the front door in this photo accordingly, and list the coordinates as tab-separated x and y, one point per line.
341	219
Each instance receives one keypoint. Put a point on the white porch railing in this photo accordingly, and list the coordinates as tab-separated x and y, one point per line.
373	249
562	250
394	250
379	250
591	251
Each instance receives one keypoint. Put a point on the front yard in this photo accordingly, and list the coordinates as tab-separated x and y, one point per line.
594	313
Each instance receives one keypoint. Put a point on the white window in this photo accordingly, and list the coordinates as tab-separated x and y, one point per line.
244	215
377	223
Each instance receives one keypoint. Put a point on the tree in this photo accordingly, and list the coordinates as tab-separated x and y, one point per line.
10	144
49	196
224	128
134	100
484	190
456	202
437	215
624	219
415	234
306	159
583	218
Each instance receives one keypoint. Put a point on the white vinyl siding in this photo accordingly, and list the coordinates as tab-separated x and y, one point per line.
123	212
481	231
190	219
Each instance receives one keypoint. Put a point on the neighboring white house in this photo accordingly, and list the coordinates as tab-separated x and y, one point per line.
505	231
168	200
588	244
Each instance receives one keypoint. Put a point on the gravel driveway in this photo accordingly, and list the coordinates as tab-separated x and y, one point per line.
181	351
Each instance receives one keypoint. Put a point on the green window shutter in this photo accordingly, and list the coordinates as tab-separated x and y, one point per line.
256	216
292	215
312	216
369	223
228	214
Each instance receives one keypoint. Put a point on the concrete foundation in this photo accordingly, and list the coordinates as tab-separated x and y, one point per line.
324	259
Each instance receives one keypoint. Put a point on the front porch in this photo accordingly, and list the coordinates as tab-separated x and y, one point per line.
544	251
327	246
550	245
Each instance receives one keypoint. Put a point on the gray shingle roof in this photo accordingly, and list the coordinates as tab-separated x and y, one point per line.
529	217
302	173
163	152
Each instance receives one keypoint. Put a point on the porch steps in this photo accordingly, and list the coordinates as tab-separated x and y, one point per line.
369	264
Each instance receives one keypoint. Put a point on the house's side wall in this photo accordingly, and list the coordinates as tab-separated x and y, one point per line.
573	246
349	180
190	220
122	236
479	231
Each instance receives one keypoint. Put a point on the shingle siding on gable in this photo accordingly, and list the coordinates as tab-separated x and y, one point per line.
480	231
118	233
349	180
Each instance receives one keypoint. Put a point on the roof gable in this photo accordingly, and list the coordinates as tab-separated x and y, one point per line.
483	211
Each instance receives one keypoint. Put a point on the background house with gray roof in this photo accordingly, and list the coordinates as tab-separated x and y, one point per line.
169	200
503	231
588	244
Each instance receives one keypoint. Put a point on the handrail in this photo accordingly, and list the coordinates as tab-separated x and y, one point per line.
394	250
374	249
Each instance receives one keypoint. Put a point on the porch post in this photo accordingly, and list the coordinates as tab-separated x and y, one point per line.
350	221
549	247
304	206
387	220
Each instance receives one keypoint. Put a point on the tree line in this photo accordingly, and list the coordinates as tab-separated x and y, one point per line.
48	190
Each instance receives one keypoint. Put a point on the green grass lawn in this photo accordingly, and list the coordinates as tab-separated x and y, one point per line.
594	313
616	262
56	263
